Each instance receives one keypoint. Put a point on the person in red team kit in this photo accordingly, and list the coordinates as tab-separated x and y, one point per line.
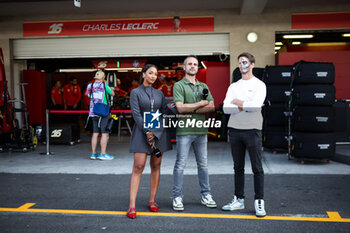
167	89
71	97
57	101
120	92
135	83
56	96
71	94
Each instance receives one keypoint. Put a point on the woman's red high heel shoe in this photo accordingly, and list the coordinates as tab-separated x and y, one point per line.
131	213
153	206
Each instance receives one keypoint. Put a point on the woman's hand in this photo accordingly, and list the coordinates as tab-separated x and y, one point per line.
150	138
152	144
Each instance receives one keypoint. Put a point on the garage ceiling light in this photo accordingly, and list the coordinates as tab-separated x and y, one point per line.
327	44
278	43
296	43
306	36
277	47
346	35
76	70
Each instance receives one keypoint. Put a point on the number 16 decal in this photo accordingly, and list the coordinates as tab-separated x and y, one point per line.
55	28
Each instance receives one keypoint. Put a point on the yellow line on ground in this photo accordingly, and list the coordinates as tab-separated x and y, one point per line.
333	216
63	211
26	206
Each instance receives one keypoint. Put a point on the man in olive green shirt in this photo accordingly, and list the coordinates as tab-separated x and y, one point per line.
193	100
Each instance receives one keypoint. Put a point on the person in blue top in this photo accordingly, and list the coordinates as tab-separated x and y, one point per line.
96	92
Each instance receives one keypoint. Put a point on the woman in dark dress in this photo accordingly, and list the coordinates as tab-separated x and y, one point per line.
145	140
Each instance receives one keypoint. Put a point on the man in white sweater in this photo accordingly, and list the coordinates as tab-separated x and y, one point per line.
243	101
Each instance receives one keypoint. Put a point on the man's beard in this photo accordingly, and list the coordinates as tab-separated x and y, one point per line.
191	73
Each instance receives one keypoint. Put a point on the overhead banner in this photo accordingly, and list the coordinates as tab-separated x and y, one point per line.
118	26
321	20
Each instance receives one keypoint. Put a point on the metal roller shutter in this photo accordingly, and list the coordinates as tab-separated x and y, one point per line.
121	46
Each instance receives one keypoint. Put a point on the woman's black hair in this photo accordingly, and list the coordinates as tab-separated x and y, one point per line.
147	66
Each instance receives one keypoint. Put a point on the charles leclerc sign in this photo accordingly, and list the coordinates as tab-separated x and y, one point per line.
118	26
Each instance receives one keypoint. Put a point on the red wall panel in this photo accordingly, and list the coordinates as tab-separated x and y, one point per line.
331	48
340	59
218	80
217	77
202	75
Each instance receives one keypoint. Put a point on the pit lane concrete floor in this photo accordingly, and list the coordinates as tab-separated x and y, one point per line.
75	160
70	193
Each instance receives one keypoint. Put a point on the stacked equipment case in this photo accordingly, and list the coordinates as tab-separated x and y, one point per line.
275	110
311	112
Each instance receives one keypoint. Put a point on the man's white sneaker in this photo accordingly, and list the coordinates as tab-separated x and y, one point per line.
177	204
208	201
235	204
260	208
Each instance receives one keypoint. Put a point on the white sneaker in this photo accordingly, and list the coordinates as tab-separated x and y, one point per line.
208	201
177	204
260	208
235	204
